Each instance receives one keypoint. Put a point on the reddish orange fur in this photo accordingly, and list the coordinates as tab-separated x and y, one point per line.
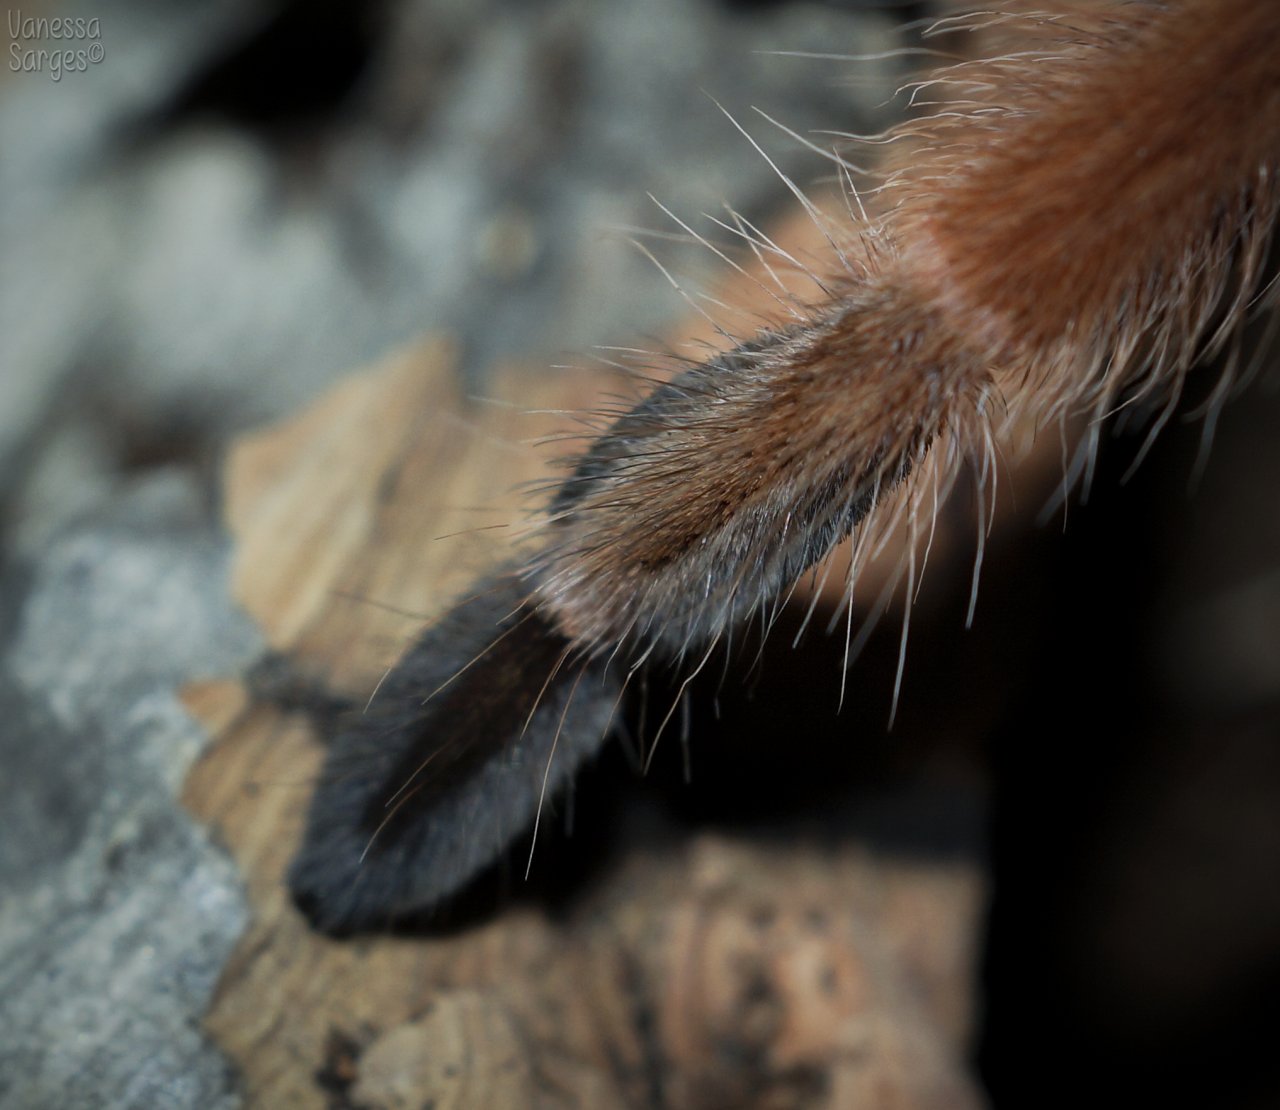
1076	215
1069	235
857	393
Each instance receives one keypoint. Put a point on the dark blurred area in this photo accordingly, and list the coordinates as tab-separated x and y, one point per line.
1133	953
238	203
1107	732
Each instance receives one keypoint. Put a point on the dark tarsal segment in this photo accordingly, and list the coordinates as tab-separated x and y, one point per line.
482	722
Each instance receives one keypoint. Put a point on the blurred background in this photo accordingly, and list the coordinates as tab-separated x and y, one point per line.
212	211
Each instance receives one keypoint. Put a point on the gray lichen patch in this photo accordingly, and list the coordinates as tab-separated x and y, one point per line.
119	911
